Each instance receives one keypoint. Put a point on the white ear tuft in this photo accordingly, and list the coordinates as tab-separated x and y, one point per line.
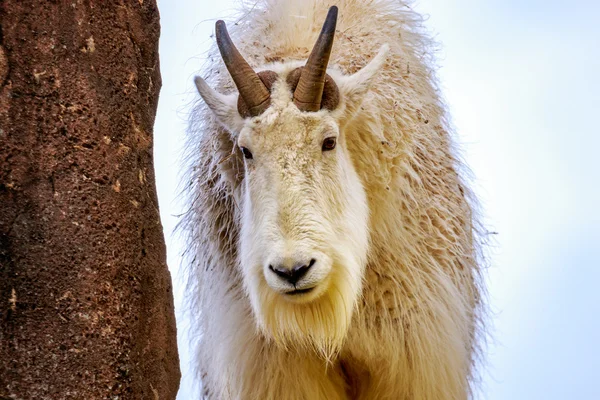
223	106
354	87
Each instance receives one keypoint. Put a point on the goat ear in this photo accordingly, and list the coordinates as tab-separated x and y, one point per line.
354	87
223	106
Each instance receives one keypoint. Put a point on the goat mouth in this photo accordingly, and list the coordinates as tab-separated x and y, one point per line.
300	291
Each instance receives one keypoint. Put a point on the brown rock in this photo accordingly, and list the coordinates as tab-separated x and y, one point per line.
86	302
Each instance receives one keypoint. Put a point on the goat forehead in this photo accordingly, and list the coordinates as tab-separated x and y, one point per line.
288	128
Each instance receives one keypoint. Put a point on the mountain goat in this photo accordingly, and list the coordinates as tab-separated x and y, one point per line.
334	247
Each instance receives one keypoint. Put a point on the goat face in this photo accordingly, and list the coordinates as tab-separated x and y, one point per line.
304	233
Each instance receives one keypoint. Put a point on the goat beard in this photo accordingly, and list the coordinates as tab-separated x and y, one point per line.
320	325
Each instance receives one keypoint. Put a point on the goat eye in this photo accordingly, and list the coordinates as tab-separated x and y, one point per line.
246	153
329	144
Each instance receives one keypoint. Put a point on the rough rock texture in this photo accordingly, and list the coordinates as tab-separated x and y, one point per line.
86	303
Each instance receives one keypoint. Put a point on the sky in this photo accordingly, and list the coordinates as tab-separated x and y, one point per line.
522	83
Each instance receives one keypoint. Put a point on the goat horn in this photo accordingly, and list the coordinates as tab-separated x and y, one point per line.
252	90
309	91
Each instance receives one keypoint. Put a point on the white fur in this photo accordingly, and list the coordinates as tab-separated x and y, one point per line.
395	308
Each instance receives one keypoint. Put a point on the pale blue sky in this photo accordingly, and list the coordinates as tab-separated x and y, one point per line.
521	79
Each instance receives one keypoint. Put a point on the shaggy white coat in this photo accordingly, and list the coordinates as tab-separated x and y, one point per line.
396	313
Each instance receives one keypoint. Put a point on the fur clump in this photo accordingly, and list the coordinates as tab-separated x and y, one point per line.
413	333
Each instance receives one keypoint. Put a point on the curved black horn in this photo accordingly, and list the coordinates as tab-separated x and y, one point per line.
252	90
309	92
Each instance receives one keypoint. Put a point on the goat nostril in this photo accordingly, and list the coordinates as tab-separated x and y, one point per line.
292	275
282	271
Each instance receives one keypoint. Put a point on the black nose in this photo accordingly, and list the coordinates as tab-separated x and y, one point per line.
292	275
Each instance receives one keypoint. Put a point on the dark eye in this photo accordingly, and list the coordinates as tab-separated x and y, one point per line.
247	153
329	144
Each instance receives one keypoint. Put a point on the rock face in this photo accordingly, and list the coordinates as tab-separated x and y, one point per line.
86	302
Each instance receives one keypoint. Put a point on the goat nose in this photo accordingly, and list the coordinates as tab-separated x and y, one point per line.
294	274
